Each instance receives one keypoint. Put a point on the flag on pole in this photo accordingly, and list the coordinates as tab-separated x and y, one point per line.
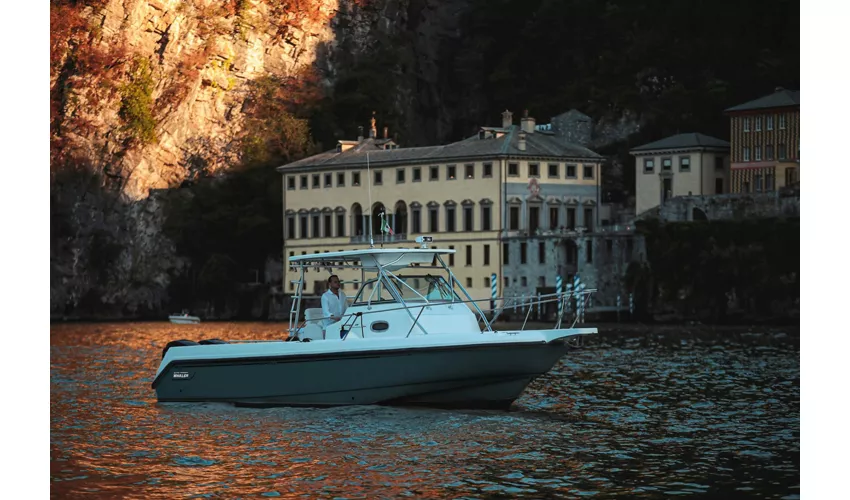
385	226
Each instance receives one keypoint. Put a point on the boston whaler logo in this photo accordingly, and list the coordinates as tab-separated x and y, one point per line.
181	376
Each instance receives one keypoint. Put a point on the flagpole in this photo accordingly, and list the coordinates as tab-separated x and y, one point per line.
369	179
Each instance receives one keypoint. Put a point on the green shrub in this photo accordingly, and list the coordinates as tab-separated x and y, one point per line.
137	103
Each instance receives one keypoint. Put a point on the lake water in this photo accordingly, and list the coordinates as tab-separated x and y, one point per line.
648	415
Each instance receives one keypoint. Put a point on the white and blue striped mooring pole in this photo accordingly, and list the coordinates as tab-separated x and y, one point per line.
581	304
618	307
576	290
558	288
494	292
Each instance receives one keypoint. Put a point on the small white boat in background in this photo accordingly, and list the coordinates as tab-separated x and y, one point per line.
184	319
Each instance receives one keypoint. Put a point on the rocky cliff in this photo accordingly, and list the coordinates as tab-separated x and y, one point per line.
148	88
149	95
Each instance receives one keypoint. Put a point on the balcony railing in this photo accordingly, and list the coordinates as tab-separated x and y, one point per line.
378	238
577	231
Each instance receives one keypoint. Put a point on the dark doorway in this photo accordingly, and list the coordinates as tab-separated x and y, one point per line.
666	189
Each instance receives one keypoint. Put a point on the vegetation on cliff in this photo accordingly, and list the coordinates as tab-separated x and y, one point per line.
137	103
717	270
226	228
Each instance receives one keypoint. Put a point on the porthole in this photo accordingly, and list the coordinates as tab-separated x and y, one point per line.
380	326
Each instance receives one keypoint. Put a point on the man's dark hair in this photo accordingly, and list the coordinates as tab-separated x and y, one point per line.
332	276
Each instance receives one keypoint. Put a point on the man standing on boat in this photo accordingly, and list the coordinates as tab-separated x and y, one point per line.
333	302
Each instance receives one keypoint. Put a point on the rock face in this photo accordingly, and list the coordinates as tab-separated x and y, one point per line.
147	94
201	56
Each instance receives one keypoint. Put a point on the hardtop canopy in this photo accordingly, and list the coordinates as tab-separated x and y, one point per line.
372	258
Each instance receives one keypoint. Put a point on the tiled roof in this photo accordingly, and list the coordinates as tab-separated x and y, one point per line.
779	99
537	145
680	141
574	113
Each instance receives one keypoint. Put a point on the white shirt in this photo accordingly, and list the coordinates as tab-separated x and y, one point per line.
332	306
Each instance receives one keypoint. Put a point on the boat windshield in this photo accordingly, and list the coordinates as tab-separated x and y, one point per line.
373	291
427	286
430	287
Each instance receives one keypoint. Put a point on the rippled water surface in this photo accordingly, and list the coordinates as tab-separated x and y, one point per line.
649	415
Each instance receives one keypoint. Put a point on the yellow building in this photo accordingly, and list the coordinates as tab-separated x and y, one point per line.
680	165
765	136
503	183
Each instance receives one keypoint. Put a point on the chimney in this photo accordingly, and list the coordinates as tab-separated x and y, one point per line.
386	132
373	131
527	123
360	133
521	143
507	119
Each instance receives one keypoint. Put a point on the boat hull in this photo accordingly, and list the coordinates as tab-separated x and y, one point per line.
468	376
184	320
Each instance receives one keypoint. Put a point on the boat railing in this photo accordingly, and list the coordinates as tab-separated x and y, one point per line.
562	299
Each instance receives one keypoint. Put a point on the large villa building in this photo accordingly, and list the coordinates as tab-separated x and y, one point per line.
516	201
765	136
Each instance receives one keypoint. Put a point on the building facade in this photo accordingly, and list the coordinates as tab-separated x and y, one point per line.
514	201
680	165
765	137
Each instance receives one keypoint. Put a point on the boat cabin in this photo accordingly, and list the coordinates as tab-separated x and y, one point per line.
403	292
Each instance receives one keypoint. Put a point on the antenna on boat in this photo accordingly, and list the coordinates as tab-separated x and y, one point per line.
369	179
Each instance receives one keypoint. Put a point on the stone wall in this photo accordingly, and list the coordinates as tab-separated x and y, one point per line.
613	249
727	207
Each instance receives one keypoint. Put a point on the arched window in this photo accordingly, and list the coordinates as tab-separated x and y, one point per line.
377	209
339	214
357	222
399	218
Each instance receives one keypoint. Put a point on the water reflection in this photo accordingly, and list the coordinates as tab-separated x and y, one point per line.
642	416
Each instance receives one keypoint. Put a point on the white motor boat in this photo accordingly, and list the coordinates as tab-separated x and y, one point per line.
407	338
184	319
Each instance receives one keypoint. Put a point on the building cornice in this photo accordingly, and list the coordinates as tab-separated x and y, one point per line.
674	151
434	161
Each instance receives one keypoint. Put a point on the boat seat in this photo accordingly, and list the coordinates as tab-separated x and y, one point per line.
314	329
